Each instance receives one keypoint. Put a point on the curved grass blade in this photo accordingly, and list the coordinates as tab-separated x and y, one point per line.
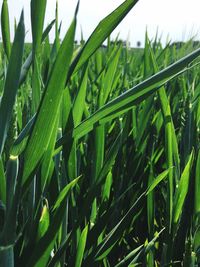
42	129
102	31
158	179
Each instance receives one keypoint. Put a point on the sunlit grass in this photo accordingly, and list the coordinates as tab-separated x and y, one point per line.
99	147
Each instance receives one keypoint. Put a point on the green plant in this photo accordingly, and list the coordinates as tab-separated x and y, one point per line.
99	148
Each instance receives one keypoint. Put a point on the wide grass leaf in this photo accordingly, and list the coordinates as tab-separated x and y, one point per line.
48	109
11	82
182	190
38	8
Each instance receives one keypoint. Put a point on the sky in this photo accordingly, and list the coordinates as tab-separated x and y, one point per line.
175	20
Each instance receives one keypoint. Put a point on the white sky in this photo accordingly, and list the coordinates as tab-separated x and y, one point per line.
178	19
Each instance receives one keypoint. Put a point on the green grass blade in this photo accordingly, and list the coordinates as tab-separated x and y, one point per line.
151	204
102	31
11	177
157	180
128	258
27	64
182	190
20	143
43	223
42	128
2	183
81	247
78	106
48	157
8	235
110	75
197	186
5	28
169	129
11	82
38	8
63	194
36	85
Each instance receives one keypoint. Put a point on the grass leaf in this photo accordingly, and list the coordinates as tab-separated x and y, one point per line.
11	82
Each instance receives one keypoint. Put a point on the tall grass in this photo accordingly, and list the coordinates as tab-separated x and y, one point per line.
99	148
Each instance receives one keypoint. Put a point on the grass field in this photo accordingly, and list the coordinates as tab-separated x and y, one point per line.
99	148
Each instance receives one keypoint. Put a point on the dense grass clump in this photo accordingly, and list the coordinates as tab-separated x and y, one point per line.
99	148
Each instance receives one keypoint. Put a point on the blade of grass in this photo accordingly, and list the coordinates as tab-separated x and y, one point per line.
159	178
42	128
2	183
5	28
197	186
102	31
38	8
11	82
171	141
29	59
81	247
182	190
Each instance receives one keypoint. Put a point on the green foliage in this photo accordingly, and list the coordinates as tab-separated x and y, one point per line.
99	145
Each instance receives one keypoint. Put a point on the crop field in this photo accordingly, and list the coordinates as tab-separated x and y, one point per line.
99	148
